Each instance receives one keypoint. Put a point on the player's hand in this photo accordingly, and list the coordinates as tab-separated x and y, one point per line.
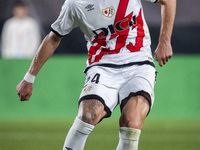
163	53
24	90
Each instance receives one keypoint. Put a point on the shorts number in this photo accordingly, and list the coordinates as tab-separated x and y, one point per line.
96	78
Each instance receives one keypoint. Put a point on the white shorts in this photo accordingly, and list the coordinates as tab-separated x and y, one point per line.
112	85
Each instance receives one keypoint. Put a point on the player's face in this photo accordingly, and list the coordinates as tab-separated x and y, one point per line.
20	11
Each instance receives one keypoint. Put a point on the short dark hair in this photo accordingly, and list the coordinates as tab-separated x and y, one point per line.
19	3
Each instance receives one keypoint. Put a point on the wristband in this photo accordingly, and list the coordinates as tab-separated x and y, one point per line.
29	78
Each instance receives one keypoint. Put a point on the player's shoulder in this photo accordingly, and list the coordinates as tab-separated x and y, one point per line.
74	3
70	3
73	6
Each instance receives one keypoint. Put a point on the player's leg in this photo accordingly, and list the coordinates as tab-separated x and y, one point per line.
97	100
132	119
136	98
91	111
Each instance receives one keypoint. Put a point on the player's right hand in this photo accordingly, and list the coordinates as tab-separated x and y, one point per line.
24	90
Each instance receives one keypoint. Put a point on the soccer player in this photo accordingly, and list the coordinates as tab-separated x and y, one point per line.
120	68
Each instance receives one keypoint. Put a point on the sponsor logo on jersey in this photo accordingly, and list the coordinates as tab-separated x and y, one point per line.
119	26
87	89
108	12
89	7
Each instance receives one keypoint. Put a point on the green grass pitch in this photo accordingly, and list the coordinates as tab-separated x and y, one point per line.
50	135
43	122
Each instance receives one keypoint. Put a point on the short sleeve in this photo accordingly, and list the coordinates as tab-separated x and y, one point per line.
66	21
153	1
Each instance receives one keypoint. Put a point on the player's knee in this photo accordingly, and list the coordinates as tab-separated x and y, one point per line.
91	111
88	115
126	121
135	124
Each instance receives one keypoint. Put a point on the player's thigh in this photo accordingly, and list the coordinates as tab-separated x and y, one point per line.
141	83
136	97
99	90
134	112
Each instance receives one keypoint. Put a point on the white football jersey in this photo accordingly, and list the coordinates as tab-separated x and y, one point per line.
115	30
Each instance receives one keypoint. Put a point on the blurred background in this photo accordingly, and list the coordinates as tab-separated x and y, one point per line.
186	30
43	122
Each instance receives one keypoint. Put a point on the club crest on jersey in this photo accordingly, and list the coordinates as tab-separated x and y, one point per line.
87	89
108	12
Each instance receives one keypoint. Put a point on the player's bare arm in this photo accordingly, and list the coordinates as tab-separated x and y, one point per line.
164	49
46	49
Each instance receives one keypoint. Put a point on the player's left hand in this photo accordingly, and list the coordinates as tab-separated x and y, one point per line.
163	53
24	90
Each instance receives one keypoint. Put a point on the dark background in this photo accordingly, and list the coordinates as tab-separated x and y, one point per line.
185	39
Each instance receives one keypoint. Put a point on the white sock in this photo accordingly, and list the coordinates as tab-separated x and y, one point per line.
128	138
77	135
